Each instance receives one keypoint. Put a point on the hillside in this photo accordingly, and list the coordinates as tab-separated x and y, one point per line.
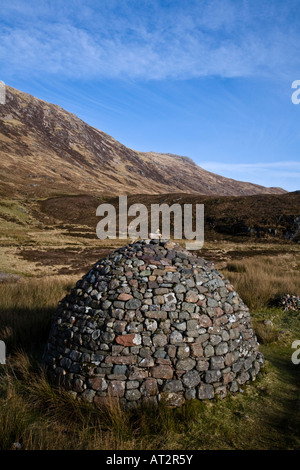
47	151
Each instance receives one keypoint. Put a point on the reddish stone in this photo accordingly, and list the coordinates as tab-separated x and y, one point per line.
227	308
229	359
228	377
191	297
125	297
171	268
196	350
155	262
116	388
138	374
219	311
221	320
97	383
205	321
149	387
128	340
162	372
120	359
156	314
133	282
159	272
166	362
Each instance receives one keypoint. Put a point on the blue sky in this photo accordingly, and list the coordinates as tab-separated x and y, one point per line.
209	79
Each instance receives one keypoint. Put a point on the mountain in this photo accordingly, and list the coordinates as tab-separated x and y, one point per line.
47	151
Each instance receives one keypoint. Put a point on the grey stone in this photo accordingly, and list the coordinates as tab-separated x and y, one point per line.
179	289
186	364
192	325
134	394
205	392
119	369
191	378
173	386
180	326
176	337
159	340
88	395
170	298
212	376
215	339
209	351
151	324
217	363
221	348
190	394
133	304
183	352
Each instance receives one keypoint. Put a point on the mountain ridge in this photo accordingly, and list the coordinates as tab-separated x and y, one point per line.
46	150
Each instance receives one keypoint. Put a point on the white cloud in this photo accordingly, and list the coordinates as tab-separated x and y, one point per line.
146	41
276	166
284	174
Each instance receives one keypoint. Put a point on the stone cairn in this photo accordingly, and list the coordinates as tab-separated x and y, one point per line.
152	321
289	302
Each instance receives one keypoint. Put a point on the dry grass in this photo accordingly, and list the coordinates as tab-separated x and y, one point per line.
260	279
26	308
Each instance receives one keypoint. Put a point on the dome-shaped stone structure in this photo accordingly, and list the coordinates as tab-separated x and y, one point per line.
152	321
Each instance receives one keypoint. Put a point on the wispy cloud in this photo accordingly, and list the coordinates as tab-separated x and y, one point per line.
280	173
142	40
276	166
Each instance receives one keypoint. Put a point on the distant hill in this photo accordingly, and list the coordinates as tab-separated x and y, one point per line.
271	217
47	151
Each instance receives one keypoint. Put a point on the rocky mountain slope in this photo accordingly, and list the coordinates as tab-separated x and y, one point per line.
46	151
